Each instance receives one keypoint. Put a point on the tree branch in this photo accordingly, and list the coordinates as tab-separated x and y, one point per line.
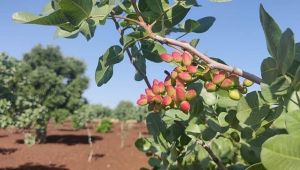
130	55
220	164
210	62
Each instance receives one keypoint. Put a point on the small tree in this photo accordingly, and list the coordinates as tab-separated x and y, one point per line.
45	85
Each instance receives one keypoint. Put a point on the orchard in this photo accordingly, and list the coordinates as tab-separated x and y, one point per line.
202	115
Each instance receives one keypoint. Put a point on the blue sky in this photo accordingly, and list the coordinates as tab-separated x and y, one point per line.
236	37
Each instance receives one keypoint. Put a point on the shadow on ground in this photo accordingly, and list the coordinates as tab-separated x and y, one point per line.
32	166
66	139
7	151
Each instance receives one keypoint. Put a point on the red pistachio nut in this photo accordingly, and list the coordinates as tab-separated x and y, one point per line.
155	82
185	106
170	91
157	99
155	89
177	57
161	86
179	82
187	58
192	69
167	100
185	76
210	86
180	94
142	100
219	77
149	92
227	84
190	94
166	57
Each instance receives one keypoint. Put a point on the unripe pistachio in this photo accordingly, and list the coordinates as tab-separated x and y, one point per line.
235	94
190	94
180	69
170	91
166	57
142	100
167	100
210	86
187	59
180	94
149	92
155	82
177	57
174	74
156	89
179	82
219	77
192	69
227	84
185	76
247	83
161	86
185	106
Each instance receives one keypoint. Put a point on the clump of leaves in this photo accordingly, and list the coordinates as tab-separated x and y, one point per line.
104	126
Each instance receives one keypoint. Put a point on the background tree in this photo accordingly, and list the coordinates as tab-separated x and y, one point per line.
45	85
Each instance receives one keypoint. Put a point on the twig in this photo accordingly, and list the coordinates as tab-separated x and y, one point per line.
211	154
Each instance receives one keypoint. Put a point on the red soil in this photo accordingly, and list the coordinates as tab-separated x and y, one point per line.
69	150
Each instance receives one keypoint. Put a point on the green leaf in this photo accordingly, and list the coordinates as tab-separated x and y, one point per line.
116	55
140	62
100	12
293	122
293	102
152	51
55	18
174	115
281	152
175	15
76	10
280	86
223	148
269	70
143	144
267	94
104	69
87	29
208	97
286	51
199	26
252	109
296	81
271	30
222	119
66	34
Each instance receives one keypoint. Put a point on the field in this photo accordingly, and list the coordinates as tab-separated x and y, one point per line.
67	149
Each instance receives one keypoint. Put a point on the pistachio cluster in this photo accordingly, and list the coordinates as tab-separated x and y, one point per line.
173	92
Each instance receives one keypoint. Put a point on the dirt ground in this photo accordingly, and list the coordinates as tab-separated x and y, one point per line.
67	149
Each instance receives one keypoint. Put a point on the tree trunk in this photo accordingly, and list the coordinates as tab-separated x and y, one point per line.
41	134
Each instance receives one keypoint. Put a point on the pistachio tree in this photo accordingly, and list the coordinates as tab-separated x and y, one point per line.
201	116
